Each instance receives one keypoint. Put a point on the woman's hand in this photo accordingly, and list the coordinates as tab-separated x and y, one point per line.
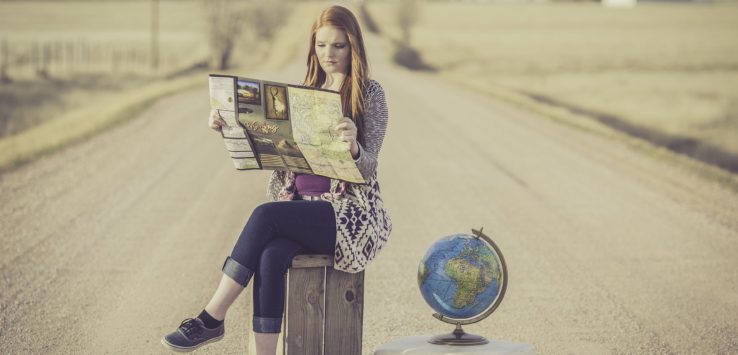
347	131
215	121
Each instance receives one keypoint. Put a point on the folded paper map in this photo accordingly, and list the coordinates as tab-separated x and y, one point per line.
280	126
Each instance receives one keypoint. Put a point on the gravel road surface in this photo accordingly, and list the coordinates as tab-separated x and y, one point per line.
107	245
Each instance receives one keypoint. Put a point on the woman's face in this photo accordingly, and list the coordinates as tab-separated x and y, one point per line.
332	49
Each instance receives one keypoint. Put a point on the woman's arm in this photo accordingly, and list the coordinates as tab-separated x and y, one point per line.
375	125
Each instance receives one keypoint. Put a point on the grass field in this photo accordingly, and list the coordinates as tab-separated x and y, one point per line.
82	38
40	115
100	28
668	71
103	26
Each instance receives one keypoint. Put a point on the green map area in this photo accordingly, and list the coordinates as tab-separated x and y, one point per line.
472	270
314	114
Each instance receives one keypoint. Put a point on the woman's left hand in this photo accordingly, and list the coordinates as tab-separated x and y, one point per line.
347	131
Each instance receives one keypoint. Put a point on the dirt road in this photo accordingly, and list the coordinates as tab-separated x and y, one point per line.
106	246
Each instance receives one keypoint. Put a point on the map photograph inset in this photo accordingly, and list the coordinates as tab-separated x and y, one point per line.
277	106
287	147
248	92
293	157
268	153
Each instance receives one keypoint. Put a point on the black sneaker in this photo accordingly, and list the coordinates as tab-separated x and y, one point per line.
191	335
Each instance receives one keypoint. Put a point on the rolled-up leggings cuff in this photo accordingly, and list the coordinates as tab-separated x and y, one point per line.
237	272
267	325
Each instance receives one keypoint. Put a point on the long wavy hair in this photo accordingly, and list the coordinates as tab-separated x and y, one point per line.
358	71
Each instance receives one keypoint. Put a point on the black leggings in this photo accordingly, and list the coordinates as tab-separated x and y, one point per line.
274	234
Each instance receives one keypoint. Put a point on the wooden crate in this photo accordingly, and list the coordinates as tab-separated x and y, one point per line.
324	308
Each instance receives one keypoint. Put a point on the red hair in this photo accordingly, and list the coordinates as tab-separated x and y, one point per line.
358	71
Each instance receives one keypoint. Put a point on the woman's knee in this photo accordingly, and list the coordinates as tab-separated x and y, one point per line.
263	217
265	211
277	256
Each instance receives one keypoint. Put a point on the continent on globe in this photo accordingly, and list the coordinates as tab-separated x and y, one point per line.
466	276
473	270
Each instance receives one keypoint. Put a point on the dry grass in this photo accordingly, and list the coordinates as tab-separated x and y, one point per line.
76	125
105	25
669	68
48	115
101	28
27	103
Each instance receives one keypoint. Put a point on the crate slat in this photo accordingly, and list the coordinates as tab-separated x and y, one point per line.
344	306
317	260
305	311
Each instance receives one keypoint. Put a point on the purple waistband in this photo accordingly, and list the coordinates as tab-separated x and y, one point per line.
311	185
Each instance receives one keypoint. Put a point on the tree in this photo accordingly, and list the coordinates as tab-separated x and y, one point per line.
228	20
407	16
224	24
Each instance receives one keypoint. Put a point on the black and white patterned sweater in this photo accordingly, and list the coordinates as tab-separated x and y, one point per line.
363	225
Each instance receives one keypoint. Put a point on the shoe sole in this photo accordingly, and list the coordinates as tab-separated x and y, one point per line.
193	348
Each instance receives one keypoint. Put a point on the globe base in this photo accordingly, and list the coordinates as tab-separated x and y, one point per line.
458	337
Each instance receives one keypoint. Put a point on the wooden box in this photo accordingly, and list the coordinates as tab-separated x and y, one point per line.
324	308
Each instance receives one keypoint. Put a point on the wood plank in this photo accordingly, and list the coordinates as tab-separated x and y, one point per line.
316	260
305	311
344	305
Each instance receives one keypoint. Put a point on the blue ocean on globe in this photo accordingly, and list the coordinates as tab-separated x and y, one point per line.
460	276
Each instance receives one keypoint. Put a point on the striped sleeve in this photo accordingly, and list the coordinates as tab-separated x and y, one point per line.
276	182
375	126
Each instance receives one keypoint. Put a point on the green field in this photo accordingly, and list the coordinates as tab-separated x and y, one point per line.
667	72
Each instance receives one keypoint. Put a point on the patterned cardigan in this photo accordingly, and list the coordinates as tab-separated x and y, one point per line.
362	224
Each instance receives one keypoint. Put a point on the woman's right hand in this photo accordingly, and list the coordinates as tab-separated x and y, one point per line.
215	121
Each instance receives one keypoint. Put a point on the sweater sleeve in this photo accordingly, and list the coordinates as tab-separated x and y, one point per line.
276	182
375	125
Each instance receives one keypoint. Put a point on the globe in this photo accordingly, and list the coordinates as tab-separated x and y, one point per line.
463	277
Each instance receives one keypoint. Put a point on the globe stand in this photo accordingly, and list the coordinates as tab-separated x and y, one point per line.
458	337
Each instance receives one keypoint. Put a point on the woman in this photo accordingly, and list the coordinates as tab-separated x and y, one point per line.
308	214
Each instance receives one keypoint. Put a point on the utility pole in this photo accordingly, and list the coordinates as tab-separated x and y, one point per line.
154	35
